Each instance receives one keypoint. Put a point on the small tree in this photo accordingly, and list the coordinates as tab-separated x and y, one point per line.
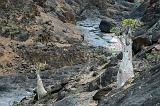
41	92
125	29
126	68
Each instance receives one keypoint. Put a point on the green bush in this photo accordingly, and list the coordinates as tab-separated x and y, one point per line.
133	23
115	30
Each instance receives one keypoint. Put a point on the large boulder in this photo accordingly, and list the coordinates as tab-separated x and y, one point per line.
140	42
106	25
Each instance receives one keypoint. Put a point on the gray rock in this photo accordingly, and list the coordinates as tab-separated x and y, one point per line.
154	31
83	99
138	32
106	25
152	13
144	92
64	12
151	36
140	42
140	11
102	92
103	80
22	37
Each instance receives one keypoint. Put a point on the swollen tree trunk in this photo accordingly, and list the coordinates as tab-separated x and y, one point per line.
126	68
41	92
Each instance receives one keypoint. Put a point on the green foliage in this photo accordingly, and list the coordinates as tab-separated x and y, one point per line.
113	29
116	30
133	23
113	51
41	66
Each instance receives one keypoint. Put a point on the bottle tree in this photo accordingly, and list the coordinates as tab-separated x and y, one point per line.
41	92
124	30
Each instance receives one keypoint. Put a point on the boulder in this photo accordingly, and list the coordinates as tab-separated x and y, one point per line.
106	25
156	36
22	37
139	31
140	42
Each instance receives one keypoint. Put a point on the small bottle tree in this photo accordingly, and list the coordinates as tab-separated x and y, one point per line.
41	92
125	30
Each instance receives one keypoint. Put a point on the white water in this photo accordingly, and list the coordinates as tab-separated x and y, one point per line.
94	37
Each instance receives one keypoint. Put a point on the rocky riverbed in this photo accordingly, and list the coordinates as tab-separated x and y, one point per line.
92	37
80	62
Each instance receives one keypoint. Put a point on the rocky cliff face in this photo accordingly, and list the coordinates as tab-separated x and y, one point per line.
152	13
148	12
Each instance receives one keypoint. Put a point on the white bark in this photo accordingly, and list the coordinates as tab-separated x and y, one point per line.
41	92
126	68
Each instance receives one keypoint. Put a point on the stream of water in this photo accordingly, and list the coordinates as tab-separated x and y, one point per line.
94	37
